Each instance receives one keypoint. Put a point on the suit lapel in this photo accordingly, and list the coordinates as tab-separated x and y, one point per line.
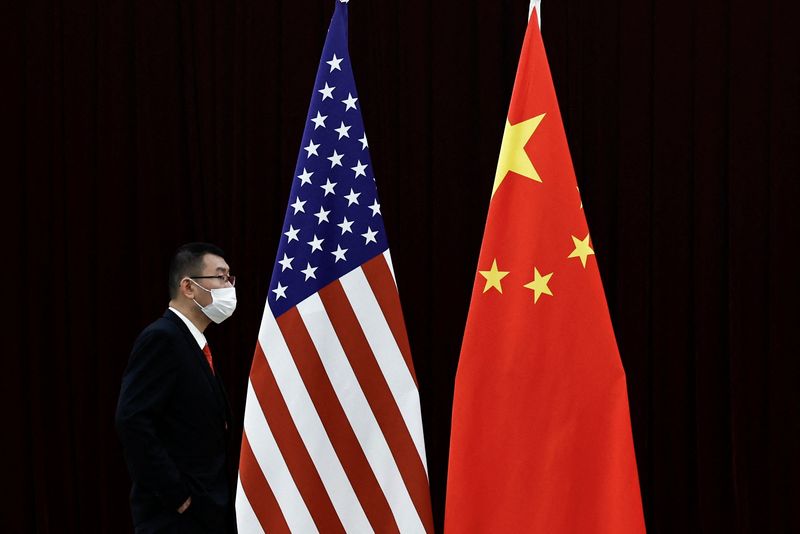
200	359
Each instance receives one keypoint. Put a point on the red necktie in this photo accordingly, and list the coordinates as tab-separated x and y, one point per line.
207	352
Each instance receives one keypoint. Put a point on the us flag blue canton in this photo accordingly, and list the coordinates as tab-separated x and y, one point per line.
332	437
333	222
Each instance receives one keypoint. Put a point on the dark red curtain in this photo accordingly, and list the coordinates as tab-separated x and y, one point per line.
132	127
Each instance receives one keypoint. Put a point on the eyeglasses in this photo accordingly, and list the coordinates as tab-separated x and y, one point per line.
223	278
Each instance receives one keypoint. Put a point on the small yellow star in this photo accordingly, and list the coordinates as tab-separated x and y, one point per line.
512	151
493	277
582	249
539	285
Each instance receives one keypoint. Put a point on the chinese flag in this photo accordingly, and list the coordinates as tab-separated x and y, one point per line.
541	436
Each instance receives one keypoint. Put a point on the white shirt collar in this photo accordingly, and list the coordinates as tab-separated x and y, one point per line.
198	335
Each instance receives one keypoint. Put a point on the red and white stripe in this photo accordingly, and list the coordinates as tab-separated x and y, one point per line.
332	431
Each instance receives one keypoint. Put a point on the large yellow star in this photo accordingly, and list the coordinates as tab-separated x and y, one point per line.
582	249
512	151
493	277
539	285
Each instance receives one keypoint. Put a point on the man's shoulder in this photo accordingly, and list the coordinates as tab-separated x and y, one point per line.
158	348
166	327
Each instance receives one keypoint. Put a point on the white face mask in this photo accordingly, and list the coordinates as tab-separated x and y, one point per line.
223	303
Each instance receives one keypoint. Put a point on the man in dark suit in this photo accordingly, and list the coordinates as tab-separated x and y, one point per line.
173	415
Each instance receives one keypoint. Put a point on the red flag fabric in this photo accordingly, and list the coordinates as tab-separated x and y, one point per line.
541	437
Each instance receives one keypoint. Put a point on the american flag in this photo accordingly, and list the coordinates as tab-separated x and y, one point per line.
332	430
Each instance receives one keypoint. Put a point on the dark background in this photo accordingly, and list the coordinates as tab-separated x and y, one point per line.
132	127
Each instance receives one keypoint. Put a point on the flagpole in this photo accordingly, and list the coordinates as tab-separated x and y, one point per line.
538	5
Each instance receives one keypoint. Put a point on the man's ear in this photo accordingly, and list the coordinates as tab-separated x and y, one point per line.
186	288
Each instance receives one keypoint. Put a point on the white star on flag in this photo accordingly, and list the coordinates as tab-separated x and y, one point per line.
335	159
286	262
334	63
280	291
327	92
359	168
319	120
322	215
309	271
345	225
298	205
352	198
311	149
316	243
342	130
349	102
339	253
376	208
369	236
328	187
305	177
292	233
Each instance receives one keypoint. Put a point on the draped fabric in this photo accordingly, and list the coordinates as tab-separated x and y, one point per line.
332	426
132	127
540	439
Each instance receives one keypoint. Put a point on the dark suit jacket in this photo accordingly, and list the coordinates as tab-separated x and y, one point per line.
173	419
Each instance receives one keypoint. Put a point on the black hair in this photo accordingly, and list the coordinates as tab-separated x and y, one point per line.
187	261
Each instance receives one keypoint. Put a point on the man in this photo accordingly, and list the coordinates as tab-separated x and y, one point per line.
173	415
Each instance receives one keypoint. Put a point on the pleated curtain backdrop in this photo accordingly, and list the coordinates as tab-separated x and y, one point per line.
132	127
